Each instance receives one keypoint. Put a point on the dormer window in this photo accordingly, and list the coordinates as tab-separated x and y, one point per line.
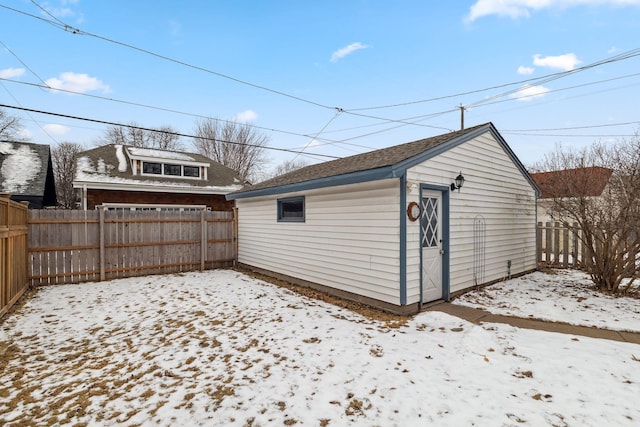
191	171
153	168
174	170
169	169
148	161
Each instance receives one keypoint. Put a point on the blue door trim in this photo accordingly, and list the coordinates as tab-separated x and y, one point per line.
445	192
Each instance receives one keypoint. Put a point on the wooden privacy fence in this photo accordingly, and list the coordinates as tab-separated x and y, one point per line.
14	280
75	246
559	245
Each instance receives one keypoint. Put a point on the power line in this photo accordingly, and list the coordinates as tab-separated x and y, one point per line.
551	77
168	110
24	64
548	78
16	99
569	135
338	112
105	122
73	30
544	79
29	114
137	104
572	128
403	122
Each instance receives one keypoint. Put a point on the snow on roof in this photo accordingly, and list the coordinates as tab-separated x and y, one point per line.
122	159
150	152
20	168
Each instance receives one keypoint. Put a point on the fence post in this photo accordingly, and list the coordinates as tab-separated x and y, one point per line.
548	244
556	242
539	241
203	239
565	246
576	245
102	254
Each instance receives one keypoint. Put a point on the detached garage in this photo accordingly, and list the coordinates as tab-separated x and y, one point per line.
398	227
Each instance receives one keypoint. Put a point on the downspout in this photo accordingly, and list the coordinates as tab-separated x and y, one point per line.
537	229
420	266
84	197
403	239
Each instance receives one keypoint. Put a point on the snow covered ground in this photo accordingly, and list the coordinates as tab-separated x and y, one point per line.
564	295
221	348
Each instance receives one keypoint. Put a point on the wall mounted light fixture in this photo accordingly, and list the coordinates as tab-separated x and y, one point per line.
458	182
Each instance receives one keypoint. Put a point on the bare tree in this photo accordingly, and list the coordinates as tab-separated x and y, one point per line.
609	223
63	158
10	127
164	137
288	166
235	145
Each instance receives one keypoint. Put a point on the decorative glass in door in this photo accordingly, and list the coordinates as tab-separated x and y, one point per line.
429	222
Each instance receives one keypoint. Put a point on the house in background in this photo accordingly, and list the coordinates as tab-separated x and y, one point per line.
26	173
569	183
398	227
119	176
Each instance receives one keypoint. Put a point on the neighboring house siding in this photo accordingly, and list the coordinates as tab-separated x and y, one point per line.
544	206
216	202
350	239
495	189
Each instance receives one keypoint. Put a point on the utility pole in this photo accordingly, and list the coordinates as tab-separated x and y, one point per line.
461	116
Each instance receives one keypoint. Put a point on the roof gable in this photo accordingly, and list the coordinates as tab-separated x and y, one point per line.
379	164
579	182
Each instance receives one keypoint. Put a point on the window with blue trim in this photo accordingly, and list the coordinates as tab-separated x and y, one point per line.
291	209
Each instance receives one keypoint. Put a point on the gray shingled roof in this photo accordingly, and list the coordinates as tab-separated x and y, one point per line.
25	170
361	162
217	175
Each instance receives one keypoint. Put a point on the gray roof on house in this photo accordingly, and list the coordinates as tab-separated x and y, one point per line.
102	165
379	164
26	172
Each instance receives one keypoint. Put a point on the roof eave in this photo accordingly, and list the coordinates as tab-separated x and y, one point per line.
148	188
344	179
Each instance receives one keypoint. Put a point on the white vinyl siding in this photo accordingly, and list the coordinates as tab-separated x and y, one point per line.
495	189
349	241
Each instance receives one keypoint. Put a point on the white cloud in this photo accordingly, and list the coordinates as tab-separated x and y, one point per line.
515	9
54	129
525	71
347	50
566	62
613	50
529	92
245	116
8	73
75	82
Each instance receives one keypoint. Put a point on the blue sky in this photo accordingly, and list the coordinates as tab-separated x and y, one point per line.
313	74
